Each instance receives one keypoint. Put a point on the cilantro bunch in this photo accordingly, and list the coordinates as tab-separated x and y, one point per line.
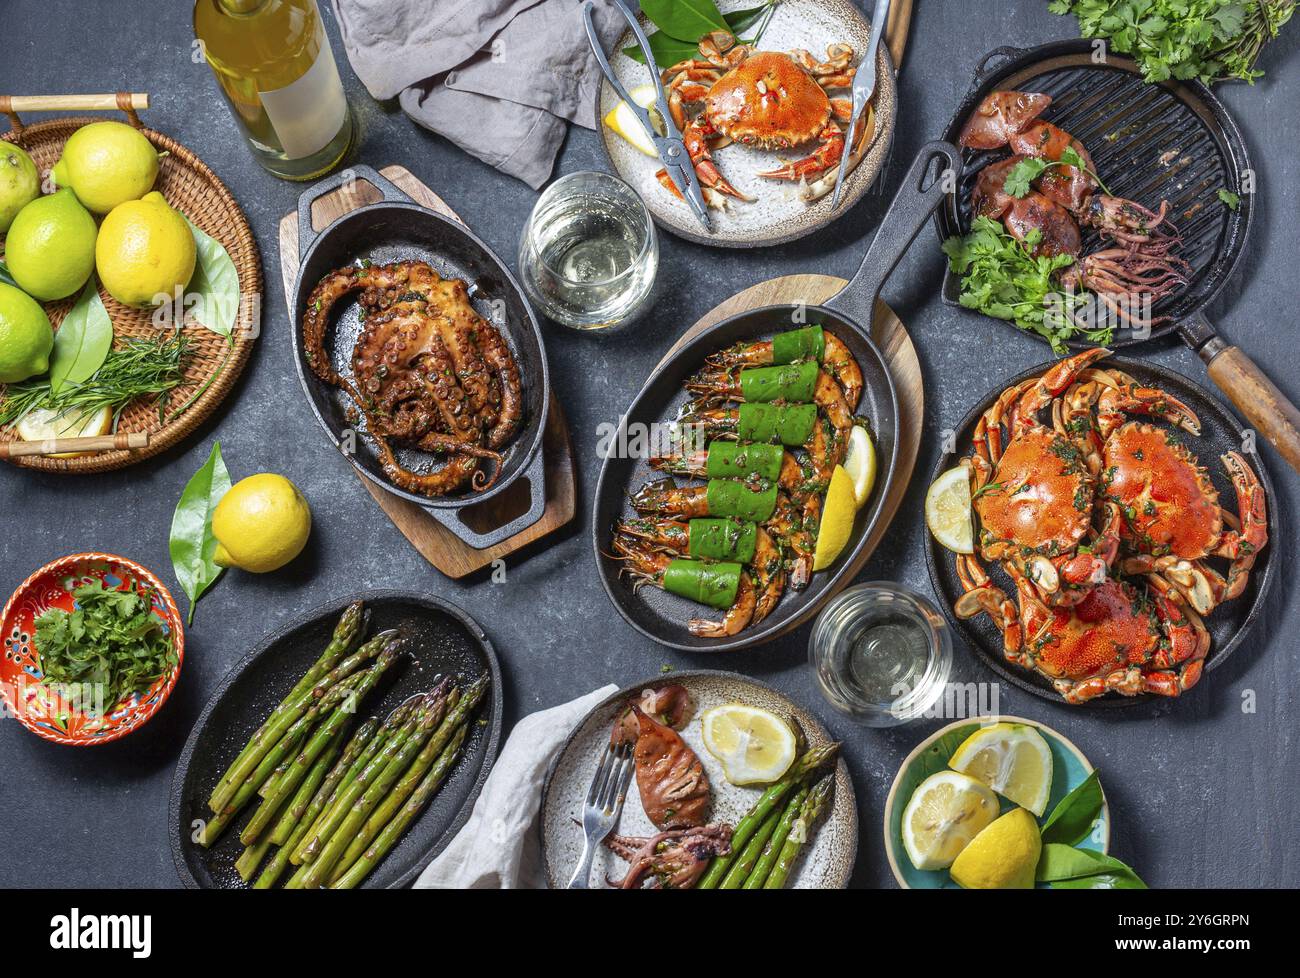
111	641
1212	40
1000	278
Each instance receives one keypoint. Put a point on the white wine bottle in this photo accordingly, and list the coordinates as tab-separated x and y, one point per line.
273	62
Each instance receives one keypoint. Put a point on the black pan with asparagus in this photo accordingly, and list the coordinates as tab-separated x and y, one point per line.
771	429
328	792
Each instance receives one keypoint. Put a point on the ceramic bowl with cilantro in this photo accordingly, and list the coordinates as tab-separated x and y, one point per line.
92	648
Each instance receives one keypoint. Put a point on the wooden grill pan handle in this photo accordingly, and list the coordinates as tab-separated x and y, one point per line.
1267	409
127	102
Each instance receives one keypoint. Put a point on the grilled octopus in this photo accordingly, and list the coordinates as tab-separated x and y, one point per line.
427	371
1141	263
672	860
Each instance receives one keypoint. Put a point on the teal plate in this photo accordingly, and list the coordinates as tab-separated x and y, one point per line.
1069	769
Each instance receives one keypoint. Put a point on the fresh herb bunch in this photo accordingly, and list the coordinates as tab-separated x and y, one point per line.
1000	278
111	640
1212	40
141	368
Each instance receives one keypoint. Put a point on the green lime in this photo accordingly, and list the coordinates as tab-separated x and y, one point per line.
26	337
20	184
107	163
50	248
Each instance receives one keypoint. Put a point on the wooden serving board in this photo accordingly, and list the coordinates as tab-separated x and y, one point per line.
438	545
895	344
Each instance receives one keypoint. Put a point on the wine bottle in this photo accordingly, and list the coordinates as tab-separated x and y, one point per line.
277	72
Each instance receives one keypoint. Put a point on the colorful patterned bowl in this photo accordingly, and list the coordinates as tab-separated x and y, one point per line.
28	700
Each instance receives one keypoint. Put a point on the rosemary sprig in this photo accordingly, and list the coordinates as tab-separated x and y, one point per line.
141	368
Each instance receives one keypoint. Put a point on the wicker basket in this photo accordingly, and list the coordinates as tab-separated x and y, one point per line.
196	192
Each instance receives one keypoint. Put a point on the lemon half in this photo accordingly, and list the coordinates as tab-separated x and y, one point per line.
838	512
42	424
1011	758
754	746
948	511
946	811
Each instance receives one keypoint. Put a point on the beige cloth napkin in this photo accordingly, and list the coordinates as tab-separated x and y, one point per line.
500	848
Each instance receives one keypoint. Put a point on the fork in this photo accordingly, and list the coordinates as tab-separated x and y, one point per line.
603	807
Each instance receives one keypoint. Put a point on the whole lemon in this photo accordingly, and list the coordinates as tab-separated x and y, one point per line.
145	250
26	336
20	184
1004	856
261	524
107	163
50	248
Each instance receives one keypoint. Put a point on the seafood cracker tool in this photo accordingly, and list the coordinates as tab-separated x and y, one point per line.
670	147
864	86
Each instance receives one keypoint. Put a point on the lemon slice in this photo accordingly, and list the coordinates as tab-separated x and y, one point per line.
43	424
860	463
627	124
946	811
753	745
947	511
1011	758
1002	857
837	519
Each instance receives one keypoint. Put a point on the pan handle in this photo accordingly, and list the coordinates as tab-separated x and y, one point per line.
1269	411
307	235
907	214
982	70
536	476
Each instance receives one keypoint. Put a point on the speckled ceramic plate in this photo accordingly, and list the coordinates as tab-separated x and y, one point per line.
1070	768
40	708
826	866
777	213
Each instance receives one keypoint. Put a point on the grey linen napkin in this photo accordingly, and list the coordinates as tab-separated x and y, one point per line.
499	78
500	846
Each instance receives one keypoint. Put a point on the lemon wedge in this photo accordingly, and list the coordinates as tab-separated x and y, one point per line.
1011	758
627	124
753	745
860	463
946	811
840	508
947	511
1002	857
42	424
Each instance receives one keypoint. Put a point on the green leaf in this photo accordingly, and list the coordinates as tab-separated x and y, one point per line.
1074	815
1230	200
215	282
192	544
1068	868
667	50
1022	175
82	340
5	276
686	20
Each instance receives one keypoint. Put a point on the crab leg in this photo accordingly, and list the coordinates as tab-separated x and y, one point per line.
827	154
983	597
1242	546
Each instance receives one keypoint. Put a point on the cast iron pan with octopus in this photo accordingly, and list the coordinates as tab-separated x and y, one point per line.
1220	432
1173	141
663	617
398	229
441	640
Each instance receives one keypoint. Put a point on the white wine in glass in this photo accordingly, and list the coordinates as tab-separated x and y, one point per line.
274	65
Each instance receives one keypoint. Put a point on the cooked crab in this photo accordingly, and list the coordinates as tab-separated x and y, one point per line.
1172	520
765	99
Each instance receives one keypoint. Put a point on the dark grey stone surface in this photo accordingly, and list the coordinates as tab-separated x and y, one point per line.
1203	793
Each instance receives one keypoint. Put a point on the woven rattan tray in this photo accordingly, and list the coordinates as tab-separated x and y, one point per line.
216	361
